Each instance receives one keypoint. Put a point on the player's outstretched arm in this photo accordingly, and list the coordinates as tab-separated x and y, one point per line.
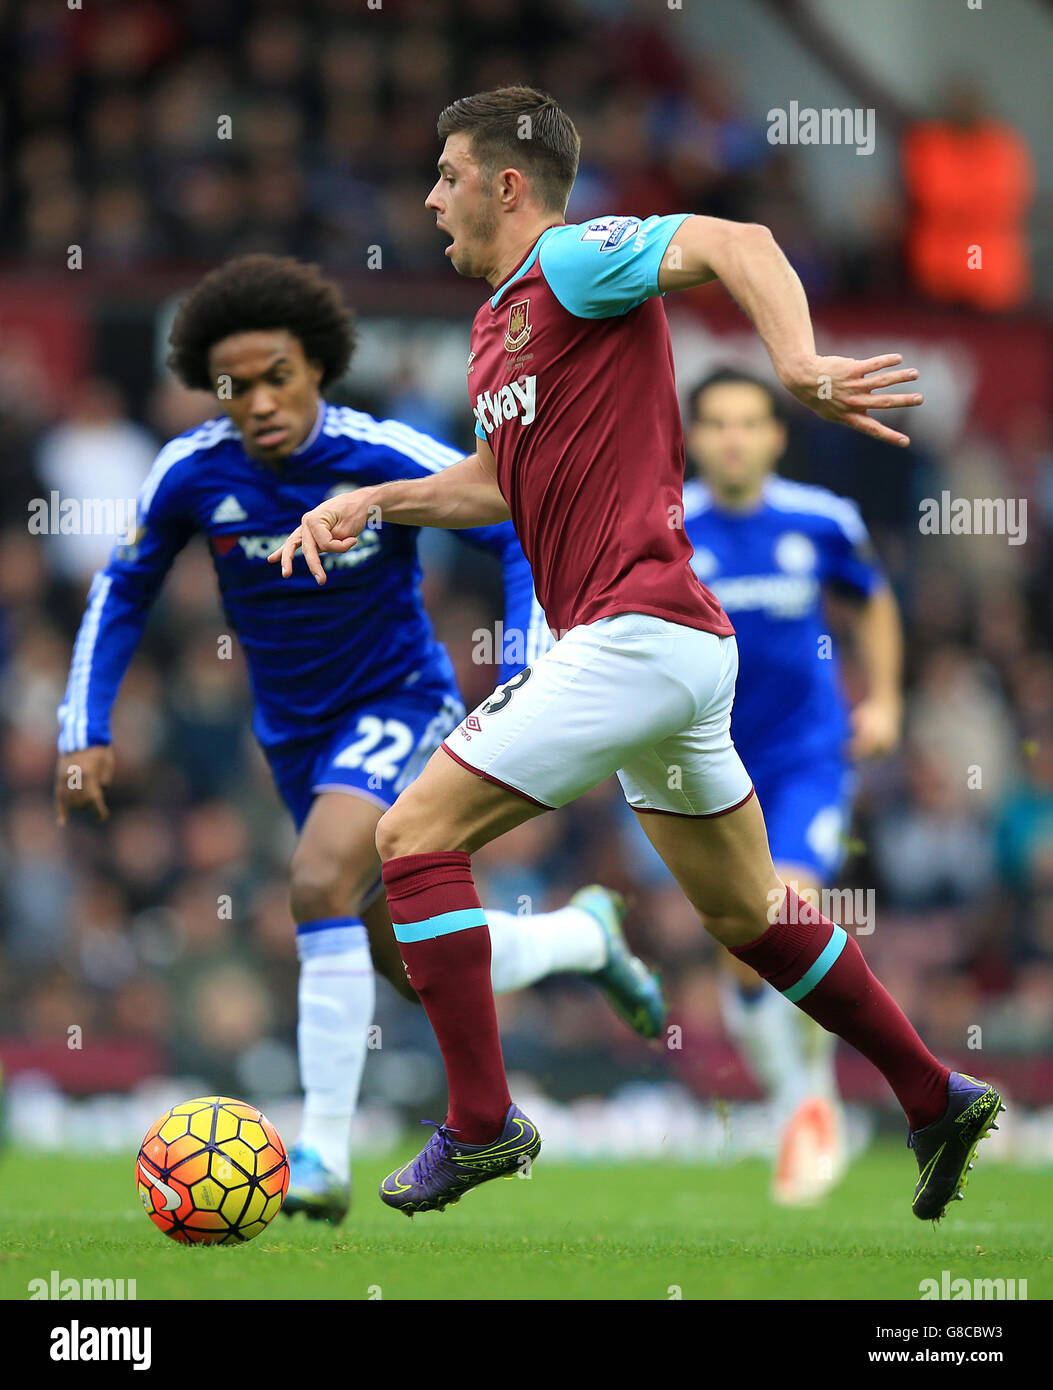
747	259
465	494
119	602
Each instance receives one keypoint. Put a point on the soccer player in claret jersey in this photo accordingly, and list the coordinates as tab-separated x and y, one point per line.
352	690
770	549
580	442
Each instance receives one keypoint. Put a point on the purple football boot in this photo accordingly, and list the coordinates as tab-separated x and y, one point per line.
945	1149
445	1170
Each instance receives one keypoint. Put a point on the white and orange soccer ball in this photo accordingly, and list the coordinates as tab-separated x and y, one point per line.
212	1171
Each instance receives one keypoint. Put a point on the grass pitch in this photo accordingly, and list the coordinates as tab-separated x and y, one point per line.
619	1231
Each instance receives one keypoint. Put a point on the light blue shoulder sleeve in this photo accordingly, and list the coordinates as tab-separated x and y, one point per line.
607	266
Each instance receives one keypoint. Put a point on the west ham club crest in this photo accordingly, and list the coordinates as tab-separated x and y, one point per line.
518	334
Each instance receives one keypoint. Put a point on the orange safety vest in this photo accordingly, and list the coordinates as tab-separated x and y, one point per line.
970	189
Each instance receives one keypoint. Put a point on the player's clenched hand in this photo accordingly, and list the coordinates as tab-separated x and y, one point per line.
80	781
875	728
841	389
333	526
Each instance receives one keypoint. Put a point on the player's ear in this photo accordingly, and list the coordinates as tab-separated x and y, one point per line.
315	370
511	187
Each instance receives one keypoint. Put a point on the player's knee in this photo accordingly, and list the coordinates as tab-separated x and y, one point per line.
396	835
737	912
416	826
738	922
732	928
319	888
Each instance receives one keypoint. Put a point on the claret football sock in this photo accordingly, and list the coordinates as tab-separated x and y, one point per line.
336	1001
818	967
445	943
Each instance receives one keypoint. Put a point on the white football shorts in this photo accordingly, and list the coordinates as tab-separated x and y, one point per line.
633	694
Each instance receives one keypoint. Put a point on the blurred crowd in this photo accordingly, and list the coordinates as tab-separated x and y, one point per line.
167	929
142	132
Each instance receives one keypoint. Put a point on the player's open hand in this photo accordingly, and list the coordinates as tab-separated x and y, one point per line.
841	389
333	526
81	780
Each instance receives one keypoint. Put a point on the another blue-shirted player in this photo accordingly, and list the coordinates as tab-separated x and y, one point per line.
353	692
768	548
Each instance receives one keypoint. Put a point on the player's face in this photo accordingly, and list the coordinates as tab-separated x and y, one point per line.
268	388
735	439
465	208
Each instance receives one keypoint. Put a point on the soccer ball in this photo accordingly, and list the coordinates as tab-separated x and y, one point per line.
212	1171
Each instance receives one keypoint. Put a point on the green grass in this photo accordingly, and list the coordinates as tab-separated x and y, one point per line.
627	1231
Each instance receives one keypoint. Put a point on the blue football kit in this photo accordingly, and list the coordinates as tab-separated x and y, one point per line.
768	567
352	690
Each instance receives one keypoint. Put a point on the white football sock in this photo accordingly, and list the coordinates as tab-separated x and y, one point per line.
336	997
818	1048
766	1030
526	948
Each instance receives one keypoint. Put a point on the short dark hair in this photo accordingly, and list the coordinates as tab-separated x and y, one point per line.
732	376
256	292
520	127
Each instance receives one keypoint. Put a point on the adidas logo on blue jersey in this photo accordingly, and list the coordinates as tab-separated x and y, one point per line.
230	509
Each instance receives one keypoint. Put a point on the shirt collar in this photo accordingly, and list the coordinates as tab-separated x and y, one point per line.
314	432
526	263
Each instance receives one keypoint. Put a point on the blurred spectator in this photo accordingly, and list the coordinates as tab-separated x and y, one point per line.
934	851
958	720
1025	848
40	884
119	228
970	179
95	460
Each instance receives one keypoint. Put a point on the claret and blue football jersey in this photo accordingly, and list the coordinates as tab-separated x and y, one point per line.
571	382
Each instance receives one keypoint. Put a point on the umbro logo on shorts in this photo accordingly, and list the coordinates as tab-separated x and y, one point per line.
472	723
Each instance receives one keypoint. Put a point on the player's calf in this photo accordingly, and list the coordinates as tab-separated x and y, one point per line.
333	867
